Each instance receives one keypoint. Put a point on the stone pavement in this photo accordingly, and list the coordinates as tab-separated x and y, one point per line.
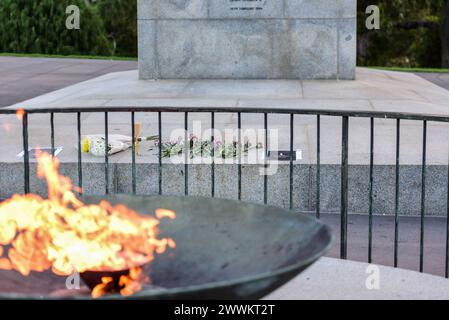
440	79
331	279
375	90
25	78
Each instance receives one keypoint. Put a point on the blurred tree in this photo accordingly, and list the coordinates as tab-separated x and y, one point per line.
120	20
414	33
39	26
410	34
445	36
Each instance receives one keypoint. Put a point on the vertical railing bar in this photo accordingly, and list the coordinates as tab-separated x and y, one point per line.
159	118
52	133
212	139
371	173
318	167
344	189
239	166
447	227
26	154
291	158
80	157
186	154
423	197
106	152
396	202
133	156
265	175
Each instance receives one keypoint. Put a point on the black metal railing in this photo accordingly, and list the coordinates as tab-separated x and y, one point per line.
345	117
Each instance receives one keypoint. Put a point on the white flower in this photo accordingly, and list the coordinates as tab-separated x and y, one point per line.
97	146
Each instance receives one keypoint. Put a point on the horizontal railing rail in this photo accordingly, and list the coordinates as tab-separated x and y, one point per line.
299	111
345	116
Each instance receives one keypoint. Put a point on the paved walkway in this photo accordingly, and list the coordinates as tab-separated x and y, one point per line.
375	90
25	78
440	79
330	279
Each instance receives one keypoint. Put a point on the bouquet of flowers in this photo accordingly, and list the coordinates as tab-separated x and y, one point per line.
95	144
207	148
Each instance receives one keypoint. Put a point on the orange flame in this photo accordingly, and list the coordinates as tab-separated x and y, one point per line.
129	284
164	213
102	288
132	282
20	113
63	234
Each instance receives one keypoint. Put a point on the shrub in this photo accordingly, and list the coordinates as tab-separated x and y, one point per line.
120	20
38	26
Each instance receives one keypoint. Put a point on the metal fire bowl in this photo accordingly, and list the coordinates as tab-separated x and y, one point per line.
225	250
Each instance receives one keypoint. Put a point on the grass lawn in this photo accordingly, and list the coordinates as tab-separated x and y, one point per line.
414	70
37	55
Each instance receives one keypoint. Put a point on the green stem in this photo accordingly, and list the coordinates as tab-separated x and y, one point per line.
150	138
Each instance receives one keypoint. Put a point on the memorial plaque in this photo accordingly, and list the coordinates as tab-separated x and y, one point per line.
247	39
249	9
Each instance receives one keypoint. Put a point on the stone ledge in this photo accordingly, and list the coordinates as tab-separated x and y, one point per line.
304	184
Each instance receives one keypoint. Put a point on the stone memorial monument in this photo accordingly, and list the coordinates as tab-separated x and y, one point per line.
247	39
